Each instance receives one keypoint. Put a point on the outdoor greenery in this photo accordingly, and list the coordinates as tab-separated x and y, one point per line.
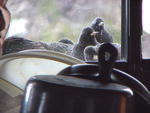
52	20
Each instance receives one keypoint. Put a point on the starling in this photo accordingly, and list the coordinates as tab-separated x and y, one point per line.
86	38
62	47
91	52
103	35
15	44
66	41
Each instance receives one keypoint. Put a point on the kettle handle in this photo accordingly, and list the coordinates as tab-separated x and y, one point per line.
107	54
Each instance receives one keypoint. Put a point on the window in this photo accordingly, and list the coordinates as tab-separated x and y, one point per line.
50	21
38	24
146	30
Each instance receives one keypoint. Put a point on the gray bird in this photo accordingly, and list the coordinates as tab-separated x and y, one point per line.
62	47
86	38
91	52
15	44
103	35
66	41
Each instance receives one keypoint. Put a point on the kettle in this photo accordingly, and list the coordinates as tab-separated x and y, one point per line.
85	88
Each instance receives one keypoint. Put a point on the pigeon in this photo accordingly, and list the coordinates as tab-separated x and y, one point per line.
103	35
61	46
15	44
86	38
91	52
66	41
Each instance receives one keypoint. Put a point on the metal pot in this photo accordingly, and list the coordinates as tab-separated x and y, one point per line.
86	88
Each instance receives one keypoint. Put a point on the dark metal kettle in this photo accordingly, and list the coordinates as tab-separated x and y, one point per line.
87	88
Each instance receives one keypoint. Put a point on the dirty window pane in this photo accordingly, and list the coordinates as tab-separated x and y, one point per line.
49	21
146	29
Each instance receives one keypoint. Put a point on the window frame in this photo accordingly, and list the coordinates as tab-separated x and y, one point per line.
132	31
131	38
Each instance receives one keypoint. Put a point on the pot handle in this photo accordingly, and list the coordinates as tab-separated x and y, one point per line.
107	54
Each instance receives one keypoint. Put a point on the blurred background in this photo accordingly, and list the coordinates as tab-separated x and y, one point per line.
146	29
52	20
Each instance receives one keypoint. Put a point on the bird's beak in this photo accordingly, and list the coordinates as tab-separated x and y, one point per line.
101	24
94	33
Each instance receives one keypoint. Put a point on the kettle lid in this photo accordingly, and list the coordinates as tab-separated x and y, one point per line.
80	83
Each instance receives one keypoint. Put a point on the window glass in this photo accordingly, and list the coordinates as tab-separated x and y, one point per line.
49	21
56	26
146	29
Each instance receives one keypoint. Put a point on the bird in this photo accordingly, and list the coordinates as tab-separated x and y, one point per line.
103	36
66	41
2	21
15	44
91	52
61	46
86	38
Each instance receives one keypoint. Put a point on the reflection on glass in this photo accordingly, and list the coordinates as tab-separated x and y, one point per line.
146	29
52	20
